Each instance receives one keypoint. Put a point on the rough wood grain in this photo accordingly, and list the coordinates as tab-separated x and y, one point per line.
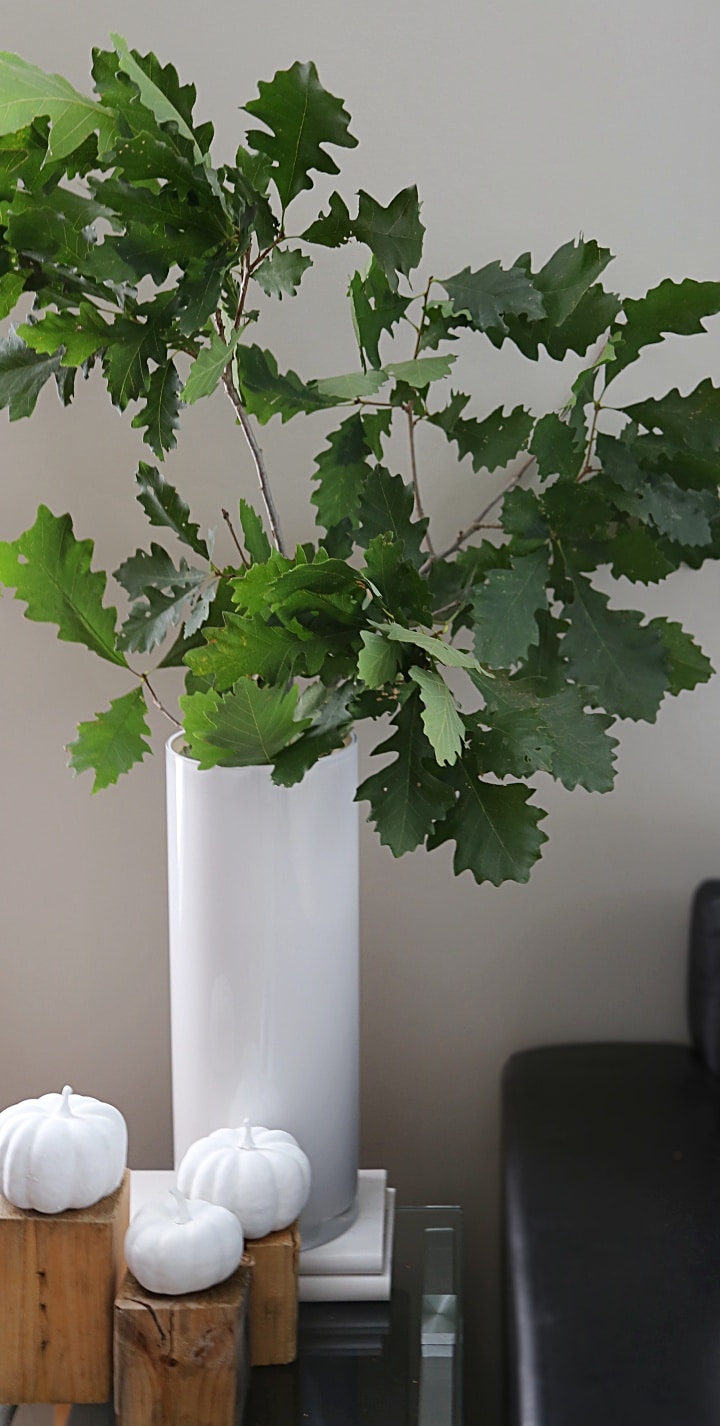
182	1360
58	1277
274	1297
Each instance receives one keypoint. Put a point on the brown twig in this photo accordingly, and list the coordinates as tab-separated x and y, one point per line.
226	517
255	451
478	523
144	678
419	511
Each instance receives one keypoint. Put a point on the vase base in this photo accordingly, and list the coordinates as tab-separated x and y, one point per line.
330	1228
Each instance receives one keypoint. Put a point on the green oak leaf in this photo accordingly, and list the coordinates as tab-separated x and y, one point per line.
406	797
523	518
155	570
50	571
208	367
386	508
152	619
438	650
394	234
422	371
165	508
687	664
12	284
402	591
488	295
303	119
505	607
113	741
23	374
330	724
442	324
376	309
378	661
246	727
492	442
281	273
256	541
81	334
680	515
669	307
444	728
249	646
581	753
495	828
131	346
159	418
517	744
341	472
637	556
352	386
612	654
159	89
690	423
556	448
28	94
568	275
267	392
331	229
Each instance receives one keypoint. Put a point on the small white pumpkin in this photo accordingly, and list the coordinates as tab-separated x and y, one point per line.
183	1246
261	1175
61	1151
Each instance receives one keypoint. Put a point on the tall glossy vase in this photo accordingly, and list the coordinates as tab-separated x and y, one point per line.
263	901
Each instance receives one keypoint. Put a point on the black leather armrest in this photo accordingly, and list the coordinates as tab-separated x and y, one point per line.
612	1236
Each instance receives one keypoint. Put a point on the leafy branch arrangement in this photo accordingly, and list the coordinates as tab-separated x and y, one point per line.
136	252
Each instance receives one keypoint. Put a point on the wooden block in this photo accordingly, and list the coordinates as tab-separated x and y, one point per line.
182	1361
274	1297
61	1415
58	1277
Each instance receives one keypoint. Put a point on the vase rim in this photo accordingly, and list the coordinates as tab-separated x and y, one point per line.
345	751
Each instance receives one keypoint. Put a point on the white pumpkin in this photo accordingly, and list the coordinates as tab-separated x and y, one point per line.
61	1151
261	1175
184	1246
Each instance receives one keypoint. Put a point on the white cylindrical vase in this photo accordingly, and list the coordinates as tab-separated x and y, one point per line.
263	909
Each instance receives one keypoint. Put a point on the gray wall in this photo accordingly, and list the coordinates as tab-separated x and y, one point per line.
523	124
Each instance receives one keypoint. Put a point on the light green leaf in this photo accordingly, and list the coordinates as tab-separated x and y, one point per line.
246	727
28	93
208	367
50	571
152	96
437	648
407	796
113	741
303	118
377	661
443	725
421	372
81	334
349	388
281	273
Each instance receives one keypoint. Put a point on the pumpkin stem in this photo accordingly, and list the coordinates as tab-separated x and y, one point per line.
248	1142
183	1214
64	1105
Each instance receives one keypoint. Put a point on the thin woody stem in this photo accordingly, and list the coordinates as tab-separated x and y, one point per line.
479	522
419	511
226	517
251	438
144	679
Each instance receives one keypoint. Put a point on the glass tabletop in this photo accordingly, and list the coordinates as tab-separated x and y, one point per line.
395	1363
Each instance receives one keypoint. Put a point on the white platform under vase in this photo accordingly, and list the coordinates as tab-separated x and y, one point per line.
356	1267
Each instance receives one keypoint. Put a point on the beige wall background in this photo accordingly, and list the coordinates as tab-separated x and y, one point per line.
523	125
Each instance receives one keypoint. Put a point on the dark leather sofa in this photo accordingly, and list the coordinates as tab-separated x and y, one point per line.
611	1159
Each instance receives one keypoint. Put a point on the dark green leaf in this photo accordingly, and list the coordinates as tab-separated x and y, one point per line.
341	473
164	507
50	571
160	415
125	359
495	829
489	295
256	541
386	508
303	118
567	275
490	443
328	730
669	307
113	741
403	592
23	374
505	609
267	392
331	229
517	744
394	234
556	448
680	515
637	556
376	309
690	422
407	796
156	570
687	664
610	653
